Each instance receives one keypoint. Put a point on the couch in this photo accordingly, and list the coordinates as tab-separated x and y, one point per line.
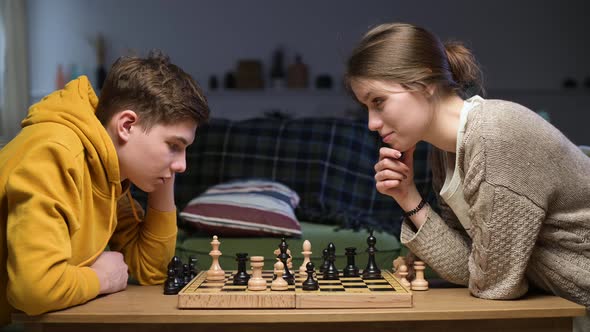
328	162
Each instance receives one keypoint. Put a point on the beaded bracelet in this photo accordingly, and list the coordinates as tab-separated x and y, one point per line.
415	210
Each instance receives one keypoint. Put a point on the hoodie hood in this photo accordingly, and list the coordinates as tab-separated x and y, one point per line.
75	107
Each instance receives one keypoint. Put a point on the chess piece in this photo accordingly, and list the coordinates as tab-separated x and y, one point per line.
176	264
241	277
215	272
325	262
306	257
399	261
419	283
186	275
283	256
371	271
279	284
172	284
351	270
310	283
192	265
331	272
289	260
256	282
402	270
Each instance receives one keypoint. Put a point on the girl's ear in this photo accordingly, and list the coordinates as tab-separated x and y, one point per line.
430	89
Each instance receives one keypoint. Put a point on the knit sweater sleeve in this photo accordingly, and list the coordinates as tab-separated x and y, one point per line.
441	242
440	246
505	227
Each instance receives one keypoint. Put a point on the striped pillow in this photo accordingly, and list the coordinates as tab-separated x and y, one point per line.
250	207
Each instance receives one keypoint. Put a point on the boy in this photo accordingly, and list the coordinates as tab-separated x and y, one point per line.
64	186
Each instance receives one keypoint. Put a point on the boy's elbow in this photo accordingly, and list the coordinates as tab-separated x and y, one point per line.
30	300
150	278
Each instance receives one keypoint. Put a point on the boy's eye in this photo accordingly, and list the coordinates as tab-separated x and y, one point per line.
174	147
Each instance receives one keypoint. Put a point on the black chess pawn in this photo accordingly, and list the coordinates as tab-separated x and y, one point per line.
325	262
351	270
241	277
176	264
172	284
310	283
186	275
371	271
283	257
192	266
331	272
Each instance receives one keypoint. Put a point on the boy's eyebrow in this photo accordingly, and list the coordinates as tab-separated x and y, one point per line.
182	139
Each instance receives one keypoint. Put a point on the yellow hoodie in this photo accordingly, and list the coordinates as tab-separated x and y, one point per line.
59	190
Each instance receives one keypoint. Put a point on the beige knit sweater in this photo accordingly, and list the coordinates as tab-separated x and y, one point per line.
528	191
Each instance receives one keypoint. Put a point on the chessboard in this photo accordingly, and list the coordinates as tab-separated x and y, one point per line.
354	292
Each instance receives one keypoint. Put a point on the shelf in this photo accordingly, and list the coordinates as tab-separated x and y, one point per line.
276	93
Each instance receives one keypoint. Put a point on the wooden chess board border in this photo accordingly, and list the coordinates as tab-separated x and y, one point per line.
192	296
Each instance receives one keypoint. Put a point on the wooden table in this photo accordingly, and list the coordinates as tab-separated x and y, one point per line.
145	308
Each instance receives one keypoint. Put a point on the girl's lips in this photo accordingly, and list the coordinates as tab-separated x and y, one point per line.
387	137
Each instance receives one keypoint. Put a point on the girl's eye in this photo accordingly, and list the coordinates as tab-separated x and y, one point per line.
377	102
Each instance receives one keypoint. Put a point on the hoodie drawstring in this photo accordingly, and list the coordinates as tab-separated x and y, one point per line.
113	207
132	203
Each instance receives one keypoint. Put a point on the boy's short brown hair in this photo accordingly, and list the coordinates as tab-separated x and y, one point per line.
157	90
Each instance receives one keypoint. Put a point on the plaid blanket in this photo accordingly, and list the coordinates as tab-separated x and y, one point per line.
328	162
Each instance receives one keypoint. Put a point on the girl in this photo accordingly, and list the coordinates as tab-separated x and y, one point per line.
514	191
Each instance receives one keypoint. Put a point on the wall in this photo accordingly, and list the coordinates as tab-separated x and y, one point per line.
522	46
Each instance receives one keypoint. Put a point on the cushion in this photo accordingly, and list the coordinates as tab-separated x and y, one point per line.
245	207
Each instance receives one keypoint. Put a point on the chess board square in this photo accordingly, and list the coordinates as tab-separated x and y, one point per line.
329	282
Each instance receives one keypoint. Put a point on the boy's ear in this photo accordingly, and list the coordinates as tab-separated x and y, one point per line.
125	122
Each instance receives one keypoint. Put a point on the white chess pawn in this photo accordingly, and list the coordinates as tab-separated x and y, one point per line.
419	283
279	284
306	257
289	260
215	272
256	281
402	270
399	261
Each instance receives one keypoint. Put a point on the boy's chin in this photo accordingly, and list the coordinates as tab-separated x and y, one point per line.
148	188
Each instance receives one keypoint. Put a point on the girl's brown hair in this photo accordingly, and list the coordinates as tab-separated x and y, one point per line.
157	90
414	58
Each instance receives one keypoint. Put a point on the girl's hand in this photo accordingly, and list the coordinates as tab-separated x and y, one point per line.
394	173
